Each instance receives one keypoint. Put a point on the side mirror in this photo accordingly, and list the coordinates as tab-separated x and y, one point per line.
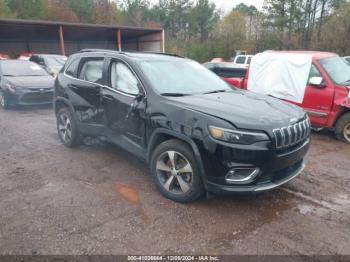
139	97
317	81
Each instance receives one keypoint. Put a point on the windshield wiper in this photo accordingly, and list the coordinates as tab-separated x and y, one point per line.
346	82
216	91
173	94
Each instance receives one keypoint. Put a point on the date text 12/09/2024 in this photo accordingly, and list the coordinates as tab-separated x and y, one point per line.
173	258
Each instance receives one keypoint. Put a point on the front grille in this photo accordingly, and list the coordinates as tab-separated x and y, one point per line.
37	97
292	135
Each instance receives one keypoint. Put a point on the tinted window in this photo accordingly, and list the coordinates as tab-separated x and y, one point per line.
122	79
240	60
231	72
22	68
72	68
249	60
91	70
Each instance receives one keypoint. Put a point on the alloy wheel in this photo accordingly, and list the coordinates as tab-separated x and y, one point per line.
347	132
65	128
174	172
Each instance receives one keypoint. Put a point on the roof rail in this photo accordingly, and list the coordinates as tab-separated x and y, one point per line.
157	53
122	52
99	50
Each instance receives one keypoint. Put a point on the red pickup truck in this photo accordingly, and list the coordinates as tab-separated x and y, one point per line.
327	94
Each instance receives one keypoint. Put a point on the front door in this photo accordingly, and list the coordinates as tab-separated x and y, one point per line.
124	104
318	100
84	89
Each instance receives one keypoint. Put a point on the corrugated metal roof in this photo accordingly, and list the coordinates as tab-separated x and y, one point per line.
82	25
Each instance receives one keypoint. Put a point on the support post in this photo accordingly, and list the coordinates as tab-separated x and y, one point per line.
162	49
63	50
119	39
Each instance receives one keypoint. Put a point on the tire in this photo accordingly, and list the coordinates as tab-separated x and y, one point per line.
342	128
171	177
67	130
3	101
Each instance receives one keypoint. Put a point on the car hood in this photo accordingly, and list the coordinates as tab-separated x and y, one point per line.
244	109
31	81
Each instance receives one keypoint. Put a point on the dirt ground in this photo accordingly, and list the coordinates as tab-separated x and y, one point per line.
97	199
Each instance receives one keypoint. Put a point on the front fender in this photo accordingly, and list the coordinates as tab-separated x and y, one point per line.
162	131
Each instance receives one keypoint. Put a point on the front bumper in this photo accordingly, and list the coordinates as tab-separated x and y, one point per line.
285	176
276	167
28	97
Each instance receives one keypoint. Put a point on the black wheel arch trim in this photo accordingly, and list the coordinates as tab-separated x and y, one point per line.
189	141
67	103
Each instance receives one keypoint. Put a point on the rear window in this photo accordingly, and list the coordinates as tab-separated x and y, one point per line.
230	72
72	68
240	60
91	70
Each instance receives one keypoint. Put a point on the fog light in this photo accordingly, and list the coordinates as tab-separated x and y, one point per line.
241	175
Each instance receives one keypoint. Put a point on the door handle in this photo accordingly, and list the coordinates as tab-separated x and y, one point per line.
108	97
72	86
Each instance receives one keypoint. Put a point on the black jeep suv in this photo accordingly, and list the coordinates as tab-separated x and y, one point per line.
195	132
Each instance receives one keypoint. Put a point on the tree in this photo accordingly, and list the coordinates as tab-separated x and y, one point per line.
105	12
249	11
27	9
232	33
82	8
5	11
58	12
135	12
336	31
203	18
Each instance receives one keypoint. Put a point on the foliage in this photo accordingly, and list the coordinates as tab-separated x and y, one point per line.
5	11
197	29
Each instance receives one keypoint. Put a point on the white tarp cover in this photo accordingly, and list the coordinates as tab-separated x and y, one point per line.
282	75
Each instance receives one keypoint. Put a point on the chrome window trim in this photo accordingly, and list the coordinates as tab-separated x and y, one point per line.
107	87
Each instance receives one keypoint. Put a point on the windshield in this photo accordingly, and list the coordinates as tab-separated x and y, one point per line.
337	69
181	76
55	61
22	68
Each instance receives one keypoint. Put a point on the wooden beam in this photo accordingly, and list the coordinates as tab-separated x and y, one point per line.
119	39
63	50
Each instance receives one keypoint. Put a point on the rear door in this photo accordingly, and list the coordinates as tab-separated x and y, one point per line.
318	100
85	89
124	109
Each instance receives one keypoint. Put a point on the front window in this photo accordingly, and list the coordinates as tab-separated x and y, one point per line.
337	69
122	79
181	76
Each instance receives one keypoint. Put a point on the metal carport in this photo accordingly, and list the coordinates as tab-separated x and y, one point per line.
19	36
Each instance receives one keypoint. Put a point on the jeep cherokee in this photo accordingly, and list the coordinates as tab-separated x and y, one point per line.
196	133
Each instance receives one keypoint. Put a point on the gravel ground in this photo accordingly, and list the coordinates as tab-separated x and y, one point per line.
98	199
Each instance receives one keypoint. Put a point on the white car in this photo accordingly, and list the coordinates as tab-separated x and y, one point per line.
243	60
347	59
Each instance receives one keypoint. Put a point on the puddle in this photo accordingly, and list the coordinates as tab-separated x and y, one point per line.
131	195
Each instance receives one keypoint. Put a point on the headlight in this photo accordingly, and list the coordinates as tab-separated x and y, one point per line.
236	136
11	88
